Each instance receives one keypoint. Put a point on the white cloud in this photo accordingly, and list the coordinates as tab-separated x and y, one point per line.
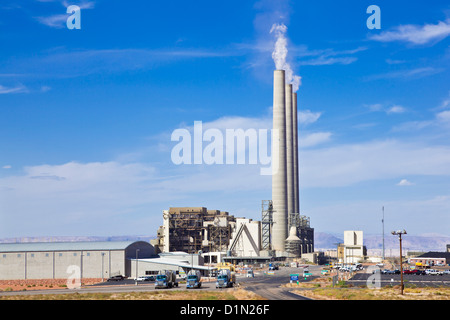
54	21
405	182
406	74
7	167
443	116
445	103
412	126
314	139
327	56
416	34
16	89
396	109
321	61
384	108
308	117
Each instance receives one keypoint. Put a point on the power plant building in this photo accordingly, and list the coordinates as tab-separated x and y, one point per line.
282	232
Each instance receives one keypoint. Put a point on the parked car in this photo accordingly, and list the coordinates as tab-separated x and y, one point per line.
408	271
419	272
116	278
434	272
446	271
396	271
146	278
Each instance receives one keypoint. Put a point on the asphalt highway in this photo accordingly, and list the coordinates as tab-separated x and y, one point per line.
263	284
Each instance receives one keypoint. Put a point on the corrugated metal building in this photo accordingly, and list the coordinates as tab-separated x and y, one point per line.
55	260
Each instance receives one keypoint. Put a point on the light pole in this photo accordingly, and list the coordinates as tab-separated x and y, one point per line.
103	255
382	222
137	251
399	234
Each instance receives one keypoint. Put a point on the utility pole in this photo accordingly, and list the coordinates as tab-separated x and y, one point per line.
399	234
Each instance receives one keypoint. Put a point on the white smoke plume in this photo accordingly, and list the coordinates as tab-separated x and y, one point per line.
279	55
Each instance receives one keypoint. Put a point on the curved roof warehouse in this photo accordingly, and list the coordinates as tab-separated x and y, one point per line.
51	260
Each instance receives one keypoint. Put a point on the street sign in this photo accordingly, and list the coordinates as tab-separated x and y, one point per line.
294	277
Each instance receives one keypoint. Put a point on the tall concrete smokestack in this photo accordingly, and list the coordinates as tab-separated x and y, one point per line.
289	151
279	190
295	153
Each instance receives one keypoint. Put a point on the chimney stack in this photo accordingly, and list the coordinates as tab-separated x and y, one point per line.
295	153
279	176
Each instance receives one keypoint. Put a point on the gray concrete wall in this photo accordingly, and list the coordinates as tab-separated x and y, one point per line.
54	264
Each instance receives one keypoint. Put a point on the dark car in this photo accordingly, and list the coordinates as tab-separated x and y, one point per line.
116	278
419	272
396	271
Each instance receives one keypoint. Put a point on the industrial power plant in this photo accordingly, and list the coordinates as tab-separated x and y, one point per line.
282	232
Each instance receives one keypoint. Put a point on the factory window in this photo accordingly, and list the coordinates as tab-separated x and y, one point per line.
88	254
46	254
19	255
60	254
4	256
32	255
74	254
148	272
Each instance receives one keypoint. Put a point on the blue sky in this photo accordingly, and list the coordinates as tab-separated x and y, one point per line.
86	115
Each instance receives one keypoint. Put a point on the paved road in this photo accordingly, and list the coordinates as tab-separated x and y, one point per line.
394	279
267	286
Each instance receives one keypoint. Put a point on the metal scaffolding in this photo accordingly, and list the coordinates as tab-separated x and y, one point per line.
194	229
266	224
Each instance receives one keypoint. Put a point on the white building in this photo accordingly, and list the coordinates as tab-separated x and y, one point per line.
354	250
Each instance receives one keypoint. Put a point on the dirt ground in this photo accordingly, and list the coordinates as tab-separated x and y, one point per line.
37	284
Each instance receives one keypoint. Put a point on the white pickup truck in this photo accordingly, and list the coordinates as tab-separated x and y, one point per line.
434	272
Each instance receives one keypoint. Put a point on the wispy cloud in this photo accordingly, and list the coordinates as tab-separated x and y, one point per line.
327	56
54	21
414	34
314	139
16	89
406	74
59	20
396	109
405	182
321	61
387	108
307	117
62	63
